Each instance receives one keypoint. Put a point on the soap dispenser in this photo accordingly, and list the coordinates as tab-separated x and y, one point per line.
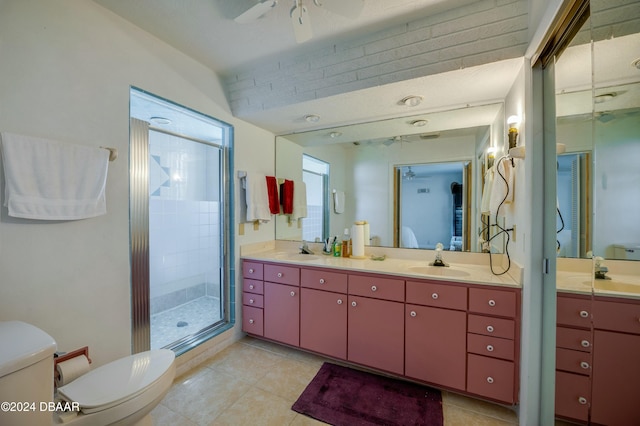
346	243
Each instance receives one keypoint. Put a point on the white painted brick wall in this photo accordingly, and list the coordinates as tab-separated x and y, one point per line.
481	32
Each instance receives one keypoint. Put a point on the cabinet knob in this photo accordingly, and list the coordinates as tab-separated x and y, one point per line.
321	280
374	288
413	313
585	365
584	314
279	274
354	304
434	296
582	400
251	321
250	286
251	270
489	379
293	293
489	348
490	328
339	301
492	302
251	301
585	344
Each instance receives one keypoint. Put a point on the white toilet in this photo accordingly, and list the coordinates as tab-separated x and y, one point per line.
122	392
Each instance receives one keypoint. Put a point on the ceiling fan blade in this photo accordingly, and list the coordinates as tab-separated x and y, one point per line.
256	11
301	23
347	8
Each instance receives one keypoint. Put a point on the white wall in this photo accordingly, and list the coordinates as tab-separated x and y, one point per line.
65	72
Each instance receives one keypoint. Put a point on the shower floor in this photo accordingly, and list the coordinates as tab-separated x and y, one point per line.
197	314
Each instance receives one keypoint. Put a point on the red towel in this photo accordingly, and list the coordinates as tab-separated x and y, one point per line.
272	192
286	196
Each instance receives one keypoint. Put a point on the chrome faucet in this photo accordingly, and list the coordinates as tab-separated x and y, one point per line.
305	248
438	260
599	269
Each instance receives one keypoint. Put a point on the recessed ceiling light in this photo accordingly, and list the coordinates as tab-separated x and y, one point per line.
335	134
160	120
411	101
419	123
605	97
312	118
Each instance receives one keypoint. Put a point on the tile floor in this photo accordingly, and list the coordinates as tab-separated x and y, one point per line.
198	314
254	382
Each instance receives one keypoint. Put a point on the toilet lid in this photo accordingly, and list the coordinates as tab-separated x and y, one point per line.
118	381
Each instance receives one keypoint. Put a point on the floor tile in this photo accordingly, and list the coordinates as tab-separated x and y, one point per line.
288	379
257	408
479	406
244	361
163	416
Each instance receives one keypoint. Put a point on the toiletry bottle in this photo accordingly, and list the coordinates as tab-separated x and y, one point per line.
346	243
337	247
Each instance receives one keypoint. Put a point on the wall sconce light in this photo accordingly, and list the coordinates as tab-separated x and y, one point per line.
513	122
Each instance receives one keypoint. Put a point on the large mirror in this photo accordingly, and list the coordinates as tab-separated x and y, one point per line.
598	121
416	180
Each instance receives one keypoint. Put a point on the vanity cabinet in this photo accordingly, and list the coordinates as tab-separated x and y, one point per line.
282	304
493	343
616	362
323	312
376	322
252	298
435	333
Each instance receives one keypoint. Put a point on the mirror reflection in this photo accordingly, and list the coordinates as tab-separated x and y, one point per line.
416	180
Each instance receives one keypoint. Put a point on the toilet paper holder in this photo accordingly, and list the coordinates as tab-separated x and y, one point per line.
67	356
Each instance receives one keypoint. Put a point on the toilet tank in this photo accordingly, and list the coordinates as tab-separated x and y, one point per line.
26	373
627	251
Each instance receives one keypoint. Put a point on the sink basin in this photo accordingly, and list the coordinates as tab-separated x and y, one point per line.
297	256
610	285
438	270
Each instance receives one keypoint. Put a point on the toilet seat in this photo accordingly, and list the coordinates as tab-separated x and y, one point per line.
119	381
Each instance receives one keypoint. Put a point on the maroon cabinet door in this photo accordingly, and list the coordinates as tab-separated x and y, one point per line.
323	322
435	348
281	313
376	333
616	379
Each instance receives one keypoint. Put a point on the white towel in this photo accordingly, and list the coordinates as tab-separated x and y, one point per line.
50	180
485	204
256	198
338	202
299	200
500	190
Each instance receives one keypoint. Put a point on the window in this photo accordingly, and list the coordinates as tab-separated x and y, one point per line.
315	175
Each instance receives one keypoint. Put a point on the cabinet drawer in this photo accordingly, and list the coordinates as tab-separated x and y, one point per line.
282	274
252	320
571	338
490	346
572	396
573	361
489	326
252	286
377	287
493	302
253	270
255	300
616	316
491	378
437	295
324	280
574	312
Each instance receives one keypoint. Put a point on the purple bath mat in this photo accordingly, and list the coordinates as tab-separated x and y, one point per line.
343	396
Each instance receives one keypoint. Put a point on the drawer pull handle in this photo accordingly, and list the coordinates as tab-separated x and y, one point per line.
321	280
293	293
251	321
251	301
339	301
434	296
413	313
584	314
251	270
279	274
250	286
492	302
354	304
489	379
490	328
584	365
374	288
582	400
489	348
585	344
